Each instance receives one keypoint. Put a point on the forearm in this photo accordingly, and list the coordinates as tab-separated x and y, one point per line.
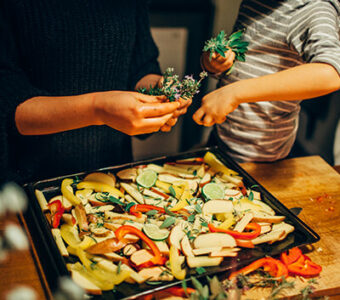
46	115
298	83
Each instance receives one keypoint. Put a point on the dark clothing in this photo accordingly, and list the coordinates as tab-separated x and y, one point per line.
62	48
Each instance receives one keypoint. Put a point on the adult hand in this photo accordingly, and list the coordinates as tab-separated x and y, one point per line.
181	110
218	63
131	112
216	106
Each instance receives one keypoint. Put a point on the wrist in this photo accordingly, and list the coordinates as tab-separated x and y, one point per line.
95	107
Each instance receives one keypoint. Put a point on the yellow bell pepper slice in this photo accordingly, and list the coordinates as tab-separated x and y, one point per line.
210	159
229	221
100	187
175	263
70	235
104	285
99	273
183	202
66	191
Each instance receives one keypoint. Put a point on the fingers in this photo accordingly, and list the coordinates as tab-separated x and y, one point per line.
150	125
198	116
165	128
172	122
149	110
145	98
208	121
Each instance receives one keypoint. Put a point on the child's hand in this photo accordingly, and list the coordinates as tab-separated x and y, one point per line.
218	63
216	106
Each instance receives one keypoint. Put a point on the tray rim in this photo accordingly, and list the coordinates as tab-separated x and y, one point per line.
42	232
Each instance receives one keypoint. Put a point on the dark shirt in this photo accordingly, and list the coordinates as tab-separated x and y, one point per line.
61	48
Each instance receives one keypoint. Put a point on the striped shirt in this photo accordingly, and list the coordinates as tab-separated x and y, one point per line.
281	34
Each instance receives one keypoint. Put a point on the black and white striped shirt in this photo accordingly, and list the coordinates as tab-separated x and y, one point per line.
281	34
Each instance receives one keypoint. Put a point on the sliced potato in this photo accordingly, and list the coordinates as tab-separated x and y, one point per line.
241	225
140	257
186	247
128	174
133	192
41	199
203	261
260	217
217	206
216	239
156	274
202	251
85	283
59	241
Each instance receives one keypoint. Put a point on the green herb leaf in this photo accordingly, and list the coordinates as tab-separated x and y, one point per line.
172	191
129	205
169	212
168	222
198	208
151	212
191	218
251	196
200	270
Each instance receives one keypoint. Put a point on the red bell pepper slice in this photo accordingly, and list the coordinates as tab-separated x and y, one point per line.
256	230
273	266
57	211
292	256
244	243
138	209
158	259
304	267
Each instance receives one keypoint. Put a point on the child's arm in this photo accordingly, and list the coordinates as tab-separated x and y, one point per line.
298	83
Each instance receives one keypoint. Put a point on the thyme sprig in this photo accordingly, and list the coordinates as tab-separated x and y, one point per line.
174	88
220	44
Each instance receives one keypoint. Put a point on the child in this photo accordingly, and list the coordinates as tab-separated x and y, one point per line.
293	54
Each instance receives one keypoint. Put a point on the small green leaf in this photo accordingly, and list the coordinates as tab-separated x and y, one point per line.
151	212
198	208
169	212
200	270
172	191
167	222
119	267
129	205
251	196
191	218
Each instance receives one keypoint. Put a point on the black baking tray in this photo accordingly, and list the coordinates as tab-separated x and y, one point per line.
54	265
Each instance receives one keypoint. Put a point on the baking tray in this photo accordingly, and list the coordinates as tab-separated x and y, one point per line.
54	264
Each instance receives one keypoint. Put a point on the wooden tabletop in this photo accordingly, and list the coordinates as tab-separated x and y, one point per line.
307	182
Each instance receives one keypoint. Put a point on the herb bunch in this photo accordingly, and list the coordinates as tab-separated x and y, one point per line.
173	88
221	44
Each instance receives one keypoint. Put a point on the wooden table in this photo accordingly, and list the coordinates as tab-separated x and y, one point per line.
307	182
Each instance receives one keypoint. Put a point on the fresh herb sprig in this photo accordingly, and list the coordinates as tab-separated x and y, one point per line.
174	88
220	44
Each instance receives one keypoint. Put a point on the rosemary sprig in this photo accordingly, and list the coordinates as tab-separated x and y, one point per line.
173	88
220	44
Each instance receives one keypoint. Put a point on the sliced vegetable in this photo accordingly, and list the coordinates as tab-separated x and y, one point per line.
122	231
155	233
147	178
291	256
66	190
176	262
256	230
212	191
210	159
100	187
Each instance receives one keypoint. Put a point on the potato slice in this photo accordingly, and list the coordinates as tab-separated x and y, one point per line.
203	261
133	192
217	206
128	174
202	251
41	199
140	257
101	177
59	241
186	247
243	222
260	217
156	274
85	283
215	238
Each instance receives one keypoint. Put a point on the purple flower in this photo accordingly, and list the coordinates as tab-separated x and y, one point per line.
189	77
177	96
